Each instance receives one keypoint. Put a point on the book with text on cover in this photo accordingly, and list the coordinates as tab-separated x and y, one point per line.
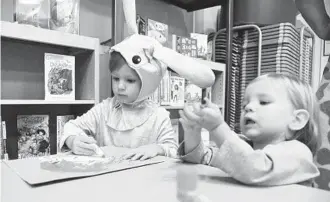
59	77
33	139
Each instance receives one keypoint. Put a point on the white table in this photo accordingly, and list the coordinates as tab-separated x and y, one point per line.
154	183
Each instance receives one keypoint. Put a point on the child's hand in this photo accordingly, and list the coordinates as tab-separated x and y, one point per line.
189	115
207	116
82	145
144	152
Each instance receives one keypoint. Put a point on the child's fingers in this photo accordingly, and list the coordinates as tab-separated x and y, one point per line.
208	103
145	157
190	115
136	156
197	108
128	156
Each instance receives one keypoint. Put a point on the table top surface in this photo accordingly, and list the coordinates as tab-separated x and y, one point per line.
156	182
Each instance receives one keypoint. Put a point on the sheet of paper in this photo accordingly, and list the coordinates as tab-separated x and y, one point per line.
31	172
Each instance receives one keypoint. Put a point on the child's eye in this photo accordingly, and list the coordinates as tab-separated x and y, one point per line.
115	78
264	102
130	80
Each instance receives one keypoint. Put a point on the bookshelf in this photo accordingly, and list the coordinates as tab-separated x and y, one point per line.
22	76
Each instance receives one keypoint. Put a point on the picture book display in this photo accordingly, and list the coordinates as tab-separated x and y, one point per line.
64	15
185	45
192	93
177	91
33	139
32	12
158	31
201	44
59	77
3	143
60	122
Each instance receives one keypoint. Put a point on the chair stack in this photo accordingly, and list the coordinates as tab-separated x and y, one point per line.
307	58
234	86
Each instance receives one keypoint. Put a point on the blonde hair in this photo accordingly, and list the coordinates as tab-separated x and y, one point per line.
302	97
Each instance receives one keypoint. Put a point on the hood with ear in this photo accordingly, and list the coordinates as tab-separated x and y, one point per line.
150	59
136	51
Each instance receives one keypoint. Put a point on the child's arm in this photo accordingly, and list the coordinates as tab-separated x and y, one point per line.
166	136
194	150
284	163
85	125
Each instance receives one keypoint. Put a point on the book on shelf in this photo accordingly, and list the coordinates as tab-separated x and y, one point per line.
165	89
33	139
185	45
201	44
61	120
4	154
192	93
141	24
177	91
158	31
1	140
32	12
64	15
59	77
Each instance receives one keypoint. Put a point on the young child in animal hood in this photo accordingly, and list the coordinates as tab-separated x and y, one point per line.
129	119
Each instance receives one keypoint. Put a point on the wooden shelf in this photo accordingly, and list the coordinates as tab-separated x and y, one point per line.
45	36
45	102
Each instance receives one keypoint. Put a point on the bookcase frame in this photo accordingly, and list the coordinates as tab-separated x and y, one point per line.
22	76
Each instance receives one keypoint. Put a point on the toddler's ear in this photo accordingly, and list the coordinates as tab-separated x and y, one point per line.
300	119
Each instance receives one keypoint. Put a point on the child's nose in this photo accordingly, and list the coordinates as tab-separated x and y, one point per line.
249	107
121	85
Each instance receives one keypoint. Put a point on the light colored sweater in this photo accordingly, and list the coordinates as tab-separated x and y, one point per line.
287	162
112	125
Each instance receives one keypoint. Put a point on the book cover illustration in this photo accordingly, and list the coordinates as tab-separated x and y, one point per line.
60	122
32	12
201	44
177	91
192	93
184	45
59	77
64	15
141	24
33	137
4	154
158	31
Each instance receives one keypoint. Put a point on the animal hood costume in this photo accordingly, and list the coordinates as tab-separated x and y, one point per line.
149	58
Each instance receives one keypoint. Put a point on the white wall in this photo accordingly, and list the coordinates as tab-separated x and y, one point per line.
206	20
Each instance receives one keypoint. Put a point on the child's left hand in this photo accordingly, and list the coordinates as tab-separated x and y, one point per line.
144	152
207	116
